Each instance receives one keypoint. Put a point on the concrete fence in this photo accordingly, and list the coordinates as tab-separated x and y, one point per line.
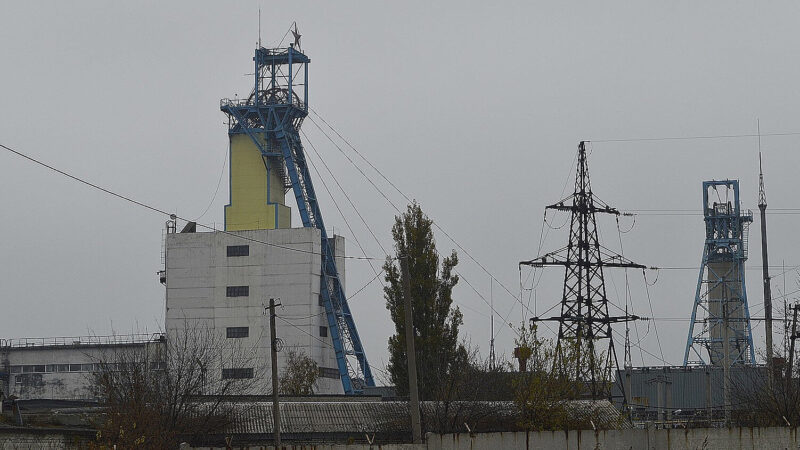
652	439
690	439
661	439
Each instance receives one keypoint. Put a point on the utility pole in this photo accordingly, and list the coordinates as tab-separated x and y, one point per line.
792	338
762	206
491	326
416	427
276	410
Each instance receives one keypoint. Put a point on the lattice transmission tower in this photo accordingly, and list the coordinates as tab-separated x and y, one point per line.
271	117
585	345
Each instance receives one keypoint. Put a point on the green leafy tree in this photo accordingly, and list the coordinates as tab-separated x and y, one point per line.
544	394
436	322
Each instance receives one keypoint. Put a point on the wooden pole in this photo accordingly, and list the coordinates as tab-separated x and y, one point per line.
276	410
792	338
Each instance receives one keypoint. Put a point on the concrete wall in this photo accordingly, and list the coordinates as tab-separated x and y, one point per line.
691	439
198	272
661	439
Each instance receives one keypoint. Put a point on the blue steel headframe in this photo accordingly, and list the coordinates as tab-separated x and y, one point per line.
726	245
271	117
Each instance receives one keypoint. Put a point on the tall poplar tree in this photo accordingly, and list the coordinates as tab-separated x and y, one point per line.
436	322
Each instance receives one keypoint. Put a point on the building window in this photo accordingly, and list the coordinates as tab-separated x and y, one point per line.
16	369
238	250
323	331
329	372
237	373
237	332
237	291
321	301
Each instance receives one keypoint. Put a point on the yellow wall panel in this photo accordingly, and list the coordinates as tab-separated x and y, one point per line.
257	198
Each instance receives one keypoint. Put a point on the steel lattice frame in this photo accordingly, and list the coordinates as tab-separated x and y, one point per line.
584	318
722	268
271	117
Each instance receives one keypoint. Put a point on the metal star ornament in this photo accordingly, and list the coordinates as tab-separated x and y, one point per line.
296	36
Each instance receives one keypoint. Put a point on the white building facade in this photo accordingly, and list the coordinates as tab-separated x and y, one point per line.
224	281
64	368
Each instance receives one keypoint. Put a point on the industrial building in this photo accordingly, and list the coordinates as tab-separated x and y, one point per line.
719	356
681	396
61	368
222	281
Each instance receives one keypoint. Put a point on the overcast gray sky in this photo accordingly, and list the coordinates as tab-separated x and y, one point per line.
473	108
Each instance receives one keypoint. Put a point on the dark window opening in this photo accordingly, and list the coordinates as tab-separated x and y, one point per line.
237	373
237	332
323	331
329	372
237	291
238	250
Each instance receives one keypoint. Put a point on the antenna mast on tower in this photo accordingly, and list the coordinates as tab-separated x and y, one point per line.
762	206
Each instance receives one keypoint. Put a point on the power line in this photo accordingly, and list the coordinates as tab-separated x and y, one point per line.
356	166
336	204
639	345
170	215
686	138
365	222
216	191
435	224
349	200
324	343
349	298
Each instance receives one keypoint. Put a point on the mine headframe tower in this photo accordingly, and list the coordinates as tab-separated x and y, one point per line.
585	346
272	116
721	294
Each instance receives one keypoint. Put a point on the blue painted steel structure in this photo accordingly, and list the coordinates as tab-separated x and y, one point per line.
271	116
721	283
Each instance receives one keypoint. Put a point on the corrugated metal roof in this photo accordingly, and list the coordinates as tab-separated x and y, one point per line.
328	417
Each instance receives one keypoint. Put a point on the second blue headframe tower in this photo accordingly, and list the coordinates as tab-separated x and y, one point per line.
721	295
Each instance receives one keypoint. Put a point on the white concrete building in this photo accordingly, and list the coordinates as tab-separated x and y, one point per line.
224	280
62	368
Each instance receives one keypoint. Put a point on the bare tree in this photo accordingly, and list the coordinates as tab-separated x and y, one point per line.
158	394
757	404
299	376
